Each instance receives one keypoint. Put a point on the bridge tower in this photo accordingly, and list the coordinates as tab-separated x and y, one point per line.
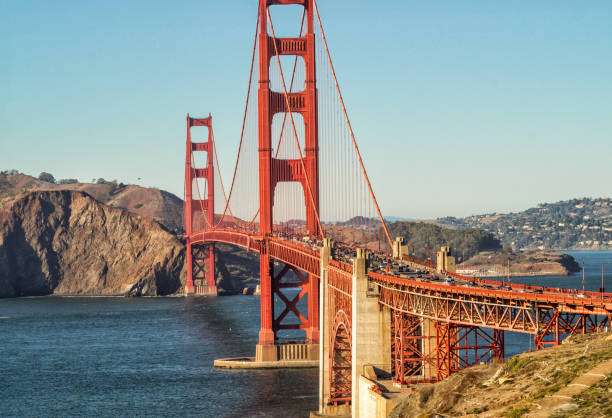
199	212
272	171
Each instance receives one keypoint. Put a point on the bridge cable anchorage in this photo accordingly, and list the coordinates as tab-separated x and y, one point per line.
288	105
384	224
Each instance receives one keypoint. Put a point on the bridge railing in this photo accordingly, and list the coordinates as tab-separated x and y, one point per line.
569	301
520	286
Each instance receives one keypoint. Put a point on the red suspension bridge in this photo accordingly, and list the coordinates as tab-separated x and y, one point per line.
301	199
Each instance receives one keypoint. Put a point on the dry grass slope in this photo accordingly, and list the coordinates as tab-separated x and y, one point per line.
522	385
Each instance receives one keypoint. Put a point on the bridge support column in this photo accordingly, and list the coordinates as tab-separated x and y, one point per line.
384	329
189	289
429	349
312	333
266	349
324	328
370	341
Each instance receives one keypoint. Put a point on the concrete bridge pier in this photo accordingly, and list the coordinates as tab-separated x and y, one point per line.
429	348
371	335
370	338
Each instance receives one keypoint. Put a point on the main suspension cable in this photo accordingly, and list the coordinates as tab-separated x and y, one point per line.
246	107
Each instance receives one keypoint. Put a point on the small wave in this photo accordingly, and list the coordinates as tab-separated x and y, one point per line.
4	317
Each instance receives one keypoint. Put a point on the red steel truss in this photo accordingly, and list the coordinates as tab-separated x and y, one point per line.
407	357
419	356
547	316
458	347
339	278
198	213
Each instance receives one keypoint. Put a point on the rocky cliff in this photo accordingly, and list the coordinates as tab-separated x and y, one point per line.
66	243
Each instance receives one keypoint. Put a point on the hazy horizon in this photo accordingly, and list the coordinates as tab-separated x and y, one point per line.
387	216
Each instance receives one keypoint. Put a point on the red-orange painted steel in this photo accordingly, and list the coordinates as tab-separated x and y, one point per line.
199	212
339	306
468	321
273	171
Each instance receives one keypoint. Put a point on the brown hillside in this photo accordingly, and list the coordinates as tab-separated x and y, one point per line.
573	379
160	205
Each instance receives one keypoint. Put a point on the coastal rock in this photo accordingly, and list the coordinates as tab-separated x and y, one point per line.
523	263
66	243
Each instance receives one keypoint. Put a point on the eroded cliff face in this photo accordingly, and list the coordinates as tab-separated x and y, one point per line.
67	243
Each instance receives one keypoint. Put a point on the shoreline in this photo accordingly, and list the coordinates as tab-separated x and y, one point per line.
120	296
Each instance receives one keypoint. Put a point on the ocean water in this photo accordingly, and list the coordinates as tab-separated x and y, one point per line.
517	343
154	356
140	357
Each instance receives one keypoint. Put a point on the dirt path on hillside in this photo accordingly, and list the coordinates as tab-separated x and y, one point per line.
563	400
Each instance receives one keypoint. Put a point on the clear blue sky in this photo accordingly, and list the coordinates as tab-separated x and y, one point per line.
459	107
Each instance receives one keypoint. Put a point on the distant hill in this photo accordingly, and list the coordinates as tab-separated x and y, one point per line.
156	204
582	223
399	219
464	243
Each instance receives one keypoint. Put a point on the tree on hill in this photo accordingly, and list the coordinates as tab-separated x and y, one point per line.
464	243
68	181
48	177
9	172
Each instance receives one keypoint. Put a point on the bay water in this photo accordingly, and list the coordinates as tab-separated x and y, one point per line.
154	356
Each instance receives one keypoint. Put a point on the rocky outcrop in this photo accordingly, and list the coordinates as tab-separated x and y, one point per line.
524	263
66	243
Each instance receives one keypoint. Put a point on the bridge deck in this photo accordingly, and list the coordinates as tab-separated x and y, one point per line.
470	292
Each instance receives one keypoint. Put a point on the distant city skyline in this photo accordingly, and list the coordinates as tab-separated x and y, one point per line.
459	108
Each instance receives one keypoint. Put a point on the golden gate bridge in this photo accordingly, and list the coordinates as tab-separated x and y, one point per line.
300	198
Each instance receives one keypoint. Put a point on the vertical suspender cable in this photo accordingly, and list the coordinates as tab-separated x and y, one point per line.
350	127
288	107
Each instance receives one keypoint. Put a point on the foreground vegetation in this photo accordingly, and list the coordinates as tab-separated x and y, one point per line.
525	385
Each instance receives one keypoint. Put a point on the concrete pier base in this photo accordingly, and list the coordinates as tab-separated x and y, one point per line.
275	356
341	411
252	363
266	353
287	352
205	290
